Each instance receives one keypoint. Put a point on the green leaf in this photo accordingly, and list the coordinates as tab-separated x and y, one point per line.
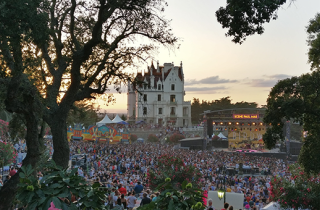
64	193
96	184
32	205
22	175
184	184
56	185
90	193
171	205
66	180
73	207
40	193
57	203
29	197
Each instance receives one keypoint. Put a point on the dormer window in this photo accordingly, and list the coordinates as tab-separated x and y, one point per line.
159	86
172	87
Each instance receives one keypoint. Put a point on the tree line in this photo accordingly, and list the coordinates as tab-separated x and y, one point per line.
197	107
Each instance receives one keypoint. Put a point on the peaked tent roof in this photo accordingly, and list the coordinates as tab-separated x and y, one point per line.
105	120
222	136
117	119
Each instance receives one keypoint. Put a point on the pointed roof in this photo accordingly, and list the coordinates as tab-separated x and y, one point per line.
117	119
105	120
222	136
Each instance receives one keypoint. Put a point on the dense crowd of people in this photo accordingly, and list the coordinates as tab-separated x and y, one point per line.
124	167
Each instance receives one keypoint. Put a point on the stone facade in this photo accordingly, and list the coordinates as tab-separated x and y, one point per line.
160	97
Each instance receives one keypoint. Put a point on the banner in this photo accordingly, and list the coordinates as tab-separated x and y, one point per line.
245	116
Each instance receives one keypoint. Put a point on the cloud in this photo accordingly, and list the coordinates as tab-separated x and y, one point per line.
268	81
204	89
209	80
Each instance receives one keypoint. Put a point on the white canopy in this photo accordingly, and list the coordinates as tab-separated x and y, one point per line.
105	120
117	119
222	136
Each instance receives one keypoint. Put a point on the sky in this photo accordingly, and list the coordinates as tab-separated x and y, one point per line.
215	67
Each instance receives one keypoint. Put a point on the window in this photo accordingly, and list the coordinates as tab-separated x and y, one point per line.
185	111
172	110
145	97
144	110
145	86
159	86
159	97
160	111
172	87
172	98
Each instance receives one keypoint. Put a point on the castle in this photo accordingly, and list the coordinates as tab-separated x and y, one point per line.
159	99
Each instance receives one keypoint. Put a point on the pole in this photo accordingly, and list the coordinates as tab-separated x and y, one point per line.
224	179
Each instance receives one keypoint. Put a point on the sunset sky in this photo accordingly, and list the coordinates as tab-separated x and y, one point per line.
215	67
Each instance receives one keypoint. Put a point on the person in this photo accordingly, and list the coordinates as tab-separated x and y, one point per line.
124	202
118	205
145	200
156	196
115	198
131	200
138	189
210	206
122	190
231	208
226	205
12	172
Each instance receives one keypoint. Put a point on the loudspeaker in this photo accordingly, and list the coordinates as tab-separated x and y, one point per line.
209	127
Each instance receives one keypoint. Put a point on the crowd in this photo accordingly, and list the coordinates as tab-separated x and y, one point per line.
123	168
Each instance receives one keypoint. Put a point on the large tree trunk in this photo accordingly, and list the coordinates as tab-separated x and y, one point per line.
9	190
61	152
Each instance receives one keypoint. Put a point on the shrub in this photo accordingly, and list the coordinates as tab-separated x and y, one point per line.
175	138
187	197
153	138
215	138
133	137
7	153
58	186
174	167
301	191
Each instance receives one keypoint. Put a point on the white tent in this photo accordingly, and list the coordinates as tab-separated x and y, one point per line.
222	136
117	119
105	120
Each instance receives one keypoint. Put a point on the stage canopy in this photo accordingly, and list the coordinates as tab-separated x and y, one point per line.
117	119
104	121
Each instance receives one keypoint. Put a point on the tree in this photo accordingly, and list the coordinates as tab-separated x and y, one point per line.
56	52
174	138
123	117
82	113
133	138
297	99
153	138
243	18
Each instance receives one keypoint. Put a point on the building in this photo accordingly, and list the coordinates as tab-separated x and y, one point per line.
159	99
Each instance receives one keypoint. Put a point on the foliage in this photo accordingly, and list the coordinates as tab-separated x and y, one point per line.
187	198
82	113
4	130
153	138
313	31
300	192
174	138
7	153
197	107
245	18
296	99
57	186
216	138
174	167
123	117
133	137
